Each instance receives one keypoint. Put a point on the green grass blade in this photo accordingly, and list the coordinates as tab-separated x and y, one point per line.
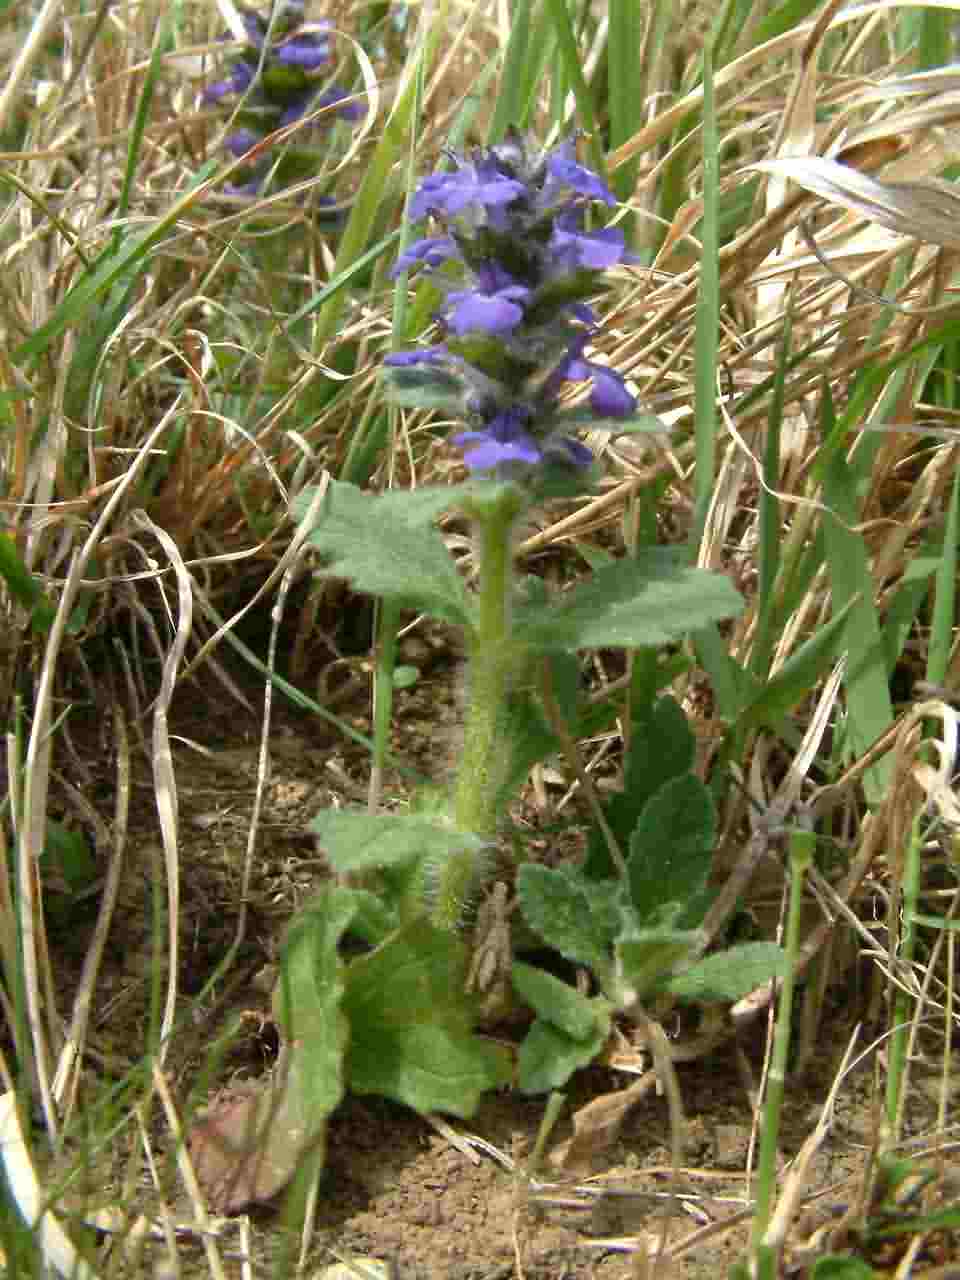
768	550
941	632
869	709
161	46
708	316
627	83
369	201
570	53
511	92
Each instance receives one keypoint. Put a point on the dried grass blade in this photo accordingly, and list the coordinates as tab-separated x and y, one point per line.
54	1243
163	772
926	210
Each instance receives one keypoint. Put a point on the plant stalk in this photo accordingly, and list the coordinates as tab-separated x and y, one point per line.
481	769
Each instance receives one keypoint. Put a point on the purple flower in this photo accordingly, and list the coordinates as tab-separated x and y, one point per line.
303	51
493	308
503	440
575	249
449	193
240	80
295	110
437	354
241	141
351	111
566	449
563	168
431	251
520	267
609	397
486	312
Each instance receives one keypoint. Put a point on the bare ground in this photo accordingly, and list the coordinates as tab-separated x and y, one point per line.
395	1188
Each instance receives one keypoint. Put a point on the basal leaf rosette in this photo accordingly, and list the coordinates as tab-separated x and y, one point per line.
516	264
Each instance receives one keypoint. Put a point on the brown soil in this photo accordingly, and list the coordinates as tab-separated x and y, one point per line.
394	1188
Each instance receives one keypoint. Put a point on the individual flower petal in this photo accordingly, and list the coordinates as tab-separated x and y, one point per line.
562	166
239	81
303	51
590	250
241	141
431	251
448	193
295	110
610	397
352	111
437	354
504	440
485	313
217	91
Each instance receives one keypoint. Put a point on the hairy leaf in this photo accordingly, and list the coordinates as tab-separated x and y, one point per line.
647	957
578	918
661	747
387	547
671	849
730	974
411	1025
557	1003
356	841
548	1056
251	1142
650	599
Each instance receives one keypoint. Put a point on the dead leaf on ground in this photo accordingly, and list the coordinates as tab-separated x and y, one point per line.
250	1142
596	1126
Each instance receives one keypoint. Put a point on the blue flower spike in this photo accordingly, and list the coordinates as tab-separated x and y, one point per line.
275	80
516	260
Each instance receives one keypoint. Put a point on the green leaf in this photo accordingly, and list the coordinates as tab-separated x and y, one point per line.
637	424
662	747
22	585
840	1266
869	711
530	740
671	849
283	1129
357	841
649	599
386	546
373	919
411	1025
71	854
578	918
557	1003
548	1056
648	956
795	678
730	974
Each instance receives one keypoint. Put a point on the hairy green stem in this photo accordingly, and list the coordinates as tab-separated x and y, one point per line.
485	748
